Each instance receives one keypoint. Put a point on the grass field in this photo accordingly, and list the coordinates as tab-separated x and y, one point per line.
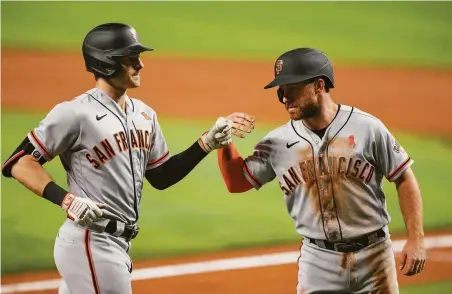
434	288
198	214
393	33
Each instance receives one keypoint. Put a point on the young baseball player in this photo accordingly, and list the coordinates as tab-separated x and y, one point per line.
330	161
108	143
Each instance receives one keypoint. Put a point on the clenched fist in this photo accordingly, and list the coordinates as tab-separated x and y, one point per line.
83	211
219	135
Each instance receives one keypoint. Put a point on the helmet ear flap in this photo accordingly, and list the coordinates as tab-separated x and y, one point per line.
280	93
100	68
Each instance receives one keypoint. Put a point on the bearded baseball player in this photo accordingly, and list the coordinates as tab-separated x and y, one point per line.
108	143
330	161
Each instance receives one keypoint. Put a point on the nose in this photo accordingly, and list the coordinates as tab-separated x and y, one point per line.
139	65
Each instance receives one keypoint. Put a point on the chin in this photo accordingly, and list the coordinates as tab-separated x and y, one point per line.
135	82
305	113
296	115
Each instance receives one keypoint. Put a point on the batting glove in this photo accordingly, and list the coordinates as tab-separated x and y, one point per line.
83	211
220	135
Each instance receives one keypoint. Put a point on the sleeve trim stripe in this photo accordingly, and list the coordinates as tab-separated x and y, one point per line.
399	168
249	176
41	146
158	160
13	157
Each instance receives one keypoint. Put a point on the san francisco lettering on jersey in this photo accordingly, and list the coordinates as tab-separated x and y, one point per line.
104	151
307	172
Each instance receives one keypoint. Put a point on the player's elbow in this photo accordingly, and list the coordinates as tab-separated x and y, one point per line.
237	187
6	170
237	190
158	179
234	179
12	168
231	188
160	185
234	191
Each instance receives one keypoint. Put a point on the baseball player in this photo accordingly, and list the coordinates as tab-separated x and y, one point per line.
330	161
108	143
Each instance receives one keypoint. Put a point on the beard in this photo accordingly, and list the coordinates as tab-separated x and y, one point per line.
310	111
304	112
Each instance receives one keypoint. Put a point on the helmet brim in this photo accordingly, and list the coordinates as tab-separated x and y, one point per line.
287	79
133	49
138	48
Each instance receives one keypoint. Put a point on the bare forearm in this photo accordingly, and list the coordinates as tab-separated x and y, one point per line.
31	174
410	202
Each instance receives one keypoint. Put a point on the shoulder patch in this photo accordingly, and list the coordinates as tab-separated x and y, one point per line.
396	146
145	115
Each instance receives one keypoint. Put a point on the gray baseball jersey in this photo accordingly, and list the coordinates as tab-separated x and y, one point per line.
332	186
104	149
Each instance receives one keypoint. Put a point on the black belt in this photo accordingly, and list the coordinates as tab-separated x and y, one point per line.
128	234
350	245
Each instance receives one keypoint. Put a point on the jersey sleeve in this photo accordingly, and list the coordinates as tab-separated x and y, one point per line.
257	168
391	157
159	149
58	132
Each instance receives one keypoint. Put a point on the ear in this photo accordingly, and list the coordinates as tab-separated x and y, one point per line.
280	93
319	85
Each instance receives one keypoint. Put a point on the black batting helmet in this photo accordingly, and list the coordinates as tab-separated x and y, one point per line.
105	44
302	64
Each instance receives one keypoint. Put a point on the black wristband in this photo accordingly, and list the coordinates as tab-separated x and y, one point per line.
54	193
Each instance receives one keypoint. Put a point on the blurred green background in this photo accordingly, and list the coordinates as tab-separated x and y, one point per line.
395	33
198	214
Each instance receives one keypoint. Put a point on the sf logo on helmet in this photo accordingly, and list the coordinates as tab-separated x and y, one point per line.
278	66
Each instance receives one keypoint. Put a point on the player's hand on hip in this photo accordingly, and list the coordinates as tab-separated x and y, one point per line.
83	211
219	135
413	257
241	123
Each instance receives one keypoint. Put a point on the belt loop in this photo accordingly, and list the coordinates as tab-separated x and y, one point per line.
120	226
